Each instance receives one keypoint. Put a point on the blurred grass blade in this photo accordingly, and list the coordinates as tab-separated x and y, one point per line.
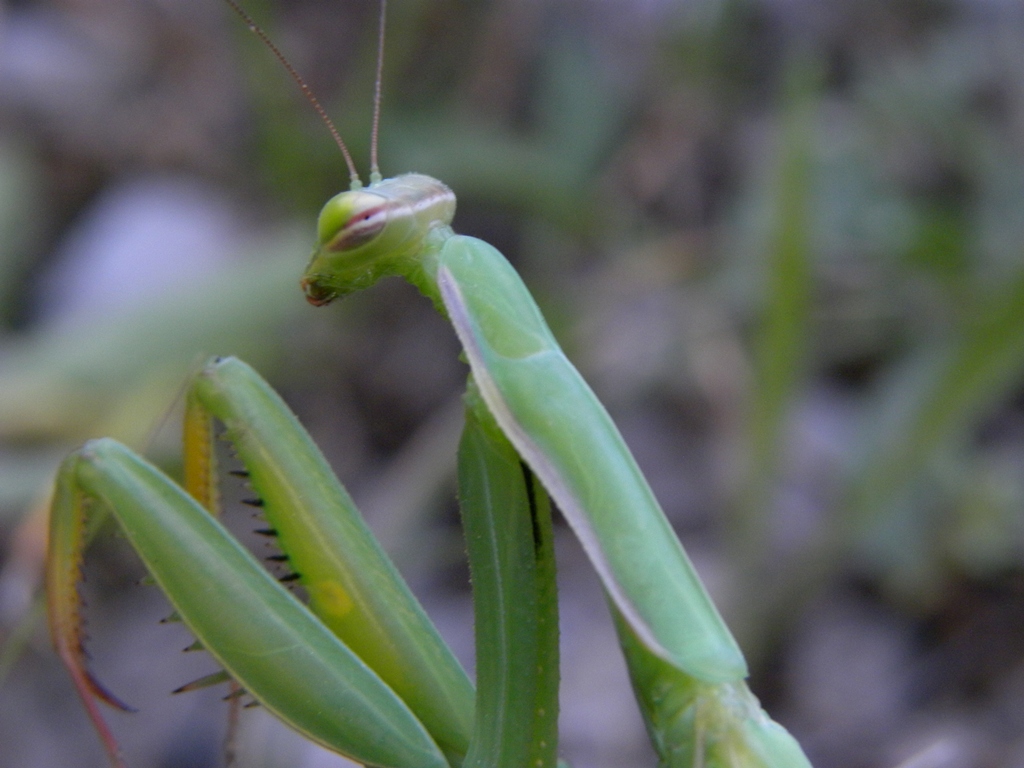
781	340
937	397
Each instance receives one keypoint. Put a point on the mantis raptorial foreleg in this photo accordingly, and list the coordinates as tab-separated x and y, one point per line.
263	637
241	614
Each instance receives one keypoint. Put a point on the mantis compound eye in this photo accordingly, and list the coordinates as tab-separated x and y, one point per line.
351	220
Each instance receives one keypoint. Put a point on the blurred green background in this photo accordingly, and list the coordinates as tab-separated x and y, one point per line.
782	240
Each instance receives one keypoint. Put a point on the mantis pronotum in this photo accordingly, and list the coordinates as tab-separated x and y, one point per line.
362	670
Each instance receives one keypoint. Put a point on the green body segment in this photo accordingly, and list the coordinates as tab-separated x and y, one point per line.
352	585
564	433
269	642
549	414
692	722
506	518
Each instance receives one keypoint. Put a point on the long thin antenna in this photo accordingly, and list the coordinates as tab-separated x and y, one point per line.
356	182
374	168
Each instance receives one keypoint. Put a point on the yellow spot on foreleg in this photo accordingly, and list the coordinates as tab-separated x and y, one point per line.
330	598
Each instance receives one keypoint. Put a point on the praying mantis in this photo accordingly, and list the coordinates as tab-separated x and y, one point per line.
359	667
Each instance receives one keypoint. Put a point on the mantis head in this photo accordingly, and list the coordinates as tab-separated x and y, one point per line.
365	234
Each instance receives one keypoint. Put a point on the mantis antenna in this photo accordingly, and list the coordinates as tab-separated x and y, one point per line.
355	181
374	168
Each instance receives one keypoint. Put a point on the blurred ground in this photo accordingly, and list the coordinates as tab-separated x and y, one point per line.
782	240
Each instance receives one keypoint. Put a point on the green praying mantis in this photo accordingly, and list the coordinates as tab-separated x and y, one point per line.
359	667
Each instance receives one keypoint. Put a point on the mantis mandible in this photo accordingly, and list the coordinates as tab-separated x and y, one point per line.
360	668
